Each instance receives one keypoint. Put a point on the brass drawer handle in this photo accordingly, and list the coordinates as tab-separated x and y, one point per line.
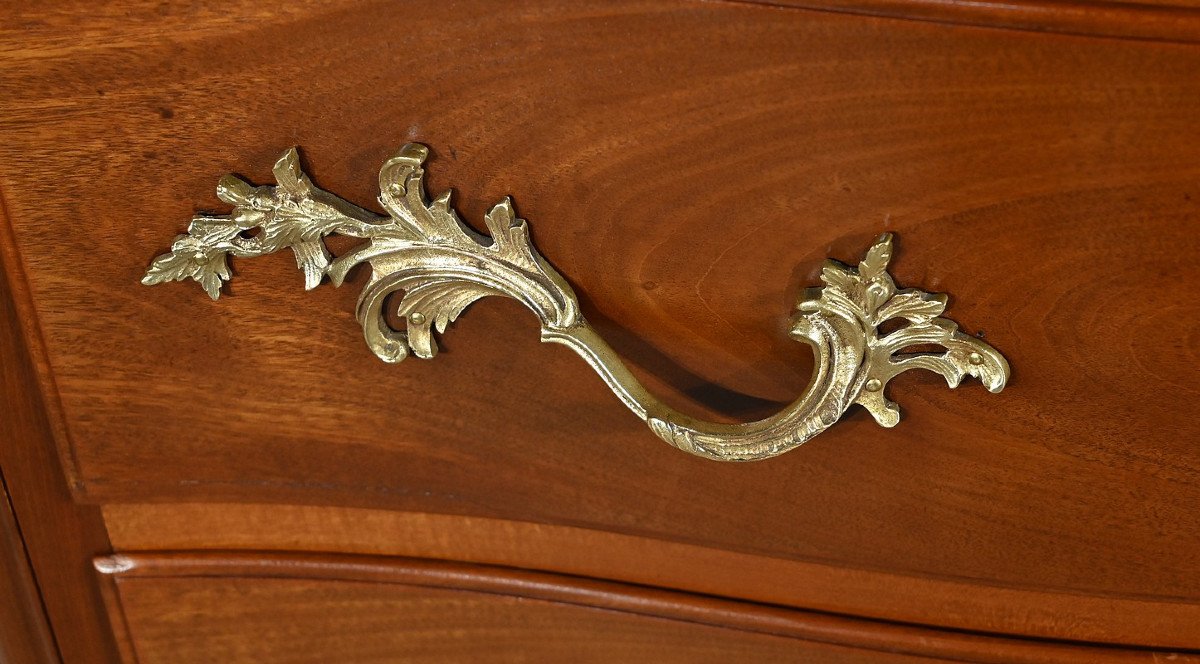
442	265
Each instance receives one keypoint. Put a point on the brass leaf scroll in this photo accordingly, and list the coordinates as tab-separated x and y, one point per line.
441	265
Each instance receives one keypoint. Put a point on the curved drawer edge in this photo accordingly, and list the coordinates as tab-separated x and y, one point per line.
892	596
640	600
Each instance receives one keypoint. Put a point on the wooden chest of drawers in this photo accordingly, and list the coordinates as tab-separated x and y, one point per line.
242	480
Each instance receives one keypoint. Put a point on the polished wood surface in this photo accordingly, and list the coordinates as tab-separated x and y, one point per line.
264	607
179	621
58	535
827	587
1160	20
689	165
24	634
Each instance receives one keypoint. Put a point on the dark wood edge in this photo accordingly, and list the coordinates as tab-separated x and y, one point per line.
25	333
1094	18
943	603
60	535
24	633
641	600
116	616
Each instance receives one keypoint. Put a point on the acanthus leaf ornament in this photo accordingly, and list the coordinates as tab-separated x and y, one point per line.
423	249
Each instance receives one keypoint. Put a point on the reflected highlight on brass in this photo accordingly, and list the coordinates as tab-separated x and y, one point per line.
442	265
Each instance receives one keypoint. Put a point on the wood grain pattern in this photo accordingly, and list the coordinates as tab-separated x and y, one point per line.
58	536
266	607
689	165
24	634
828	587
179	621
1160	20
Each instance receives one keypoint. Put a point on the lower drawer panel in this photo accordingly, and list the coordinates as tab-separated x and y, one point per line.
263	607
237	619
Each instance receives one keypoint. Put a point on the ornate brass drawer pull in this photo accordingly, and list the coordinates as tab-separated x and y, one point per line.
442	265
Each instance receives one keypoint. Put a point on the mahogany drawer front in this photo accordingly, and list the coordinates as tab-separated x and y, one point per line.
261	620
269	620
269	607
690	166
